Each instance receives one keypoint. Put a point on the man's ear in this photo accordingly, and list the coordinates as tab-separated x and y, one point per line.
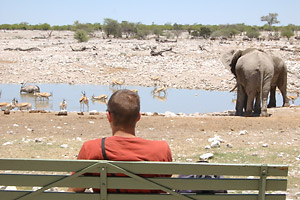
138	119
109	116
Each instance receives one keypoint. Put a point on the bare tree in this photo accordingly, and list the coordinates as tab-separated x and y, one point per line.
270	19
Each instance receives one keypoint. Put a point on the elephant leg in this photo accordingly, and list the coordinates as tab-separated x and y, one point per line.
285	100
250	101
272	102
240	103
257	106
265	92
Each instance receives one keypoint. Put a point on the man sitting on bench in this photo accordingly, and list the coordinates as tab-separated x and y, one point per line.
123	112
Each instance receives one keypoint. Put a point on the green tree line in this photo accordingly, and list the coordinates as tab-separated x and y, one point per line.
115	29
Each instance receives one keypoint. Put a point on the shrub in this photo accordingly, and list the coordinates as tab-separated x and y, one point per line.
252	33
81	36
287	32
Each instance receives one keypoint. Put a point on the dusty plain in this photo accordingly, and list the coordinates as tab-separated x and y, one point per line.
272	140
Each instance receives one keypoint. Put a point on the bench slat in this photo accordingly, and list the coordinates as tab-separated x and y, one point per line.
10	195
129	183
142	167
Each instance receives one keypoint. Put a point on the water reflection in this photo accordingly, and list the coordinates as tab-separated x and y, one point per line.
174	100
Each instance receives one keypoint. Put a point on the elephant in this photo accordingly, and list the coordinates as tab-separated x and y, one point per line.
280	81
257	74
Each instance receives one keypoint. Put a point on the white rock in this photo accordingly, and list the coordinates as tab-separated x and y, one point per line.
243	132
206	156
16	125
265	145
170	114
64	146
229	145
7	143
91	122
215	144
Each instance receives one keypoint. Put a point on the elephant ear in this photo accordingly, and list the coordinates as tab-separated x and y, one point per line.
226	58
230	58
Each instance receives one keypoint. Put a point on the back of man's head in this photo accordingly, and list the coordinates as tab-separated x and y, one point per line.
124	105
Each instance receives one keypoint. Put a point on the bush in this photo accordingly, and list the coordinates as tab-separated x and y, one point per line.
205	32
287	32
81	36
112	27
252	33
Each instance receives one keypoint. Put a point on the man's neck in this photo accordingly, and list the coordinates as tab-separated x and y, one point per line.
124	132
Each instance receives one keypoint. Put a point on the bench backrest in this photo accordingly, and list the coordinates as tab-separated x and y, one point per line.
243	181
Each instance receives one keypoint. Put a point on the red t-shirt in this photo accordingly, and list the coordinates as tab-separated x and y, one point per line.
127	149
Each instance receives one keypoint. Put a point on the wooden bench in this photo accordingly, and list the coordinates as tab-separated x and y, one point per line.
243	181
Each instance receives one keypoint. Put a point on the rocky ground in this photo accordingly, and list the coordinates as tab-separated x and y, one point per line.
193	64
190	64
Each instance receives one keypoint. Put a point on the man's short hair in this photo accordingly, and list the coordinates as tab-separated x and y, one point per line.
124	105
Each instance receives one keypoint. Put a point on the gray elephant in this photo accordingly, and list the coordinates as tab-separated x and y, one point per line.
254	72
257	73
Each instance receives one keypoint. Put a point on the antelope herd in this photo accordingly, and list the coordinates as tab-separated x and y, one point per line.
34	90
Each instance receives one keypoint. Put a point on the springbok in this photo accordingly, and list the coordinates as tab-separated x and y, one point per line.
43	95
160	90
21	106
134	90
155	79
102	98
7	106
63	105
84	100
293	98
117	82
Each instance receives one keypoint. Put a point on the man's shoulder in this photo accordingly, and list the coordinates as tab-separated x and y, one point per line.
92	142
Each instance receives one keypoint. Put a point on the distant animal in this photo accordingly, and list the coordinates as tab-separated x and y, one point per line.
43	95
102	97
293	98
63	105
160	90
21	106
134	90
84	100
7	106
155	79
29	88
117	82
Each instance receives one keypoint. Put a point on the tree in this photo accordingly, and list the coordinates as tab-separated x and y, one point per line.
178	29
253	33
112	27
129	29
270	19
45	26
81	36
205	32
142	31
287	32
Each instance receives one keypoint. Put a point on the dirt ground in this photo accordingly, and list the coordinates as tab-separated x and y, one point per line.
272	140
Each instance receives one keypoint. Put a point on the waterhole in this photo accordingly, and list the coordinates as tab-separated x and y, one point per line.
174	100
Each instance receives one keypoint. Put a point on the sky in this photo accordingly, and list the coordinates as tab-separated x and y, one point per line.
206	12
